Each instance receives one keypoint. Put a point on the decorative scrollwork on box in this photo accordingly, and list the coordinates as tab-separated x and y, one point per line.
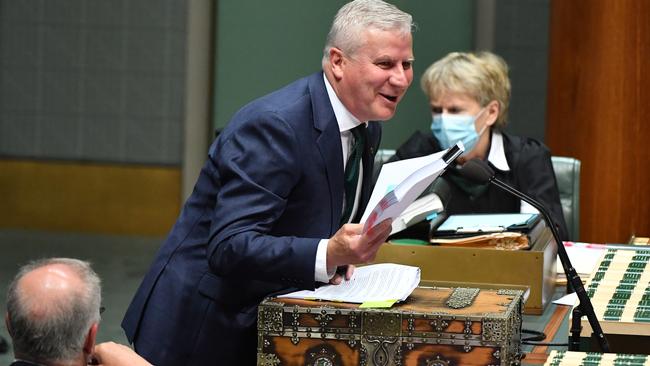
439	324
439	313
438	361
382	350
270	319
398	357
294	322
509	292
467	348
323	319
352	320
267	359
410	323
462	297
468	328
322	355
493	330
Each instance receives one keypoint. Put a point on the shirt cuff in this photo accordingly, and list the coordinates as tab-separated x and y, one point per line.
321	272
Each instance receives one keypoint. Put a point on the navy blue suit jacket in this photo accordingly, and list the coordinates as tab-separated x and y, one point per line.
271	189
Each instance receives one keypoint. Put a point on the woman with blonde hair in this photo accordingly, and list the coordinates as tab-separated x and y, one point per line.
469	96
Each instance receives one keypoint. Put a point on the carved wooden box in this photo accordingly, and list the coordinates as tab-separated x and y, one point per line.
433	327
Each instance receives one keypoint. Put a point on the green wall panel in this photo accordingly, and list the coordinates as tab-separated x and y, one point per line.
263	45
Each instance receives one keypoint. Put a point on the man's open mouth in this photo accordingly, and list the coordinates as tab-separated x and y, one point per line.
389	97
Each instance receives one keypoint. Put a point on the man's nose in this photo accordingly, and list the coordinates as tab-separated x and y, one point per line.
401	77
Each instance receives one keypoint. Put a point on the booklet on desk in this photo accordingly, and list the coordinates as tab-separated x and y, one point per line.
400	183
377	282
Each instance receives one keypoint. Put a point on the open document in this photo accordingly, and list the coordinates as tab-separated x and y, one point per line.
401	182
377	282
584	258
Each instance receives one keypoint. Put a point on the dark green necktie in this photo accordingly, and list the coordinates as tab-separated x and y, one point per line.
352	170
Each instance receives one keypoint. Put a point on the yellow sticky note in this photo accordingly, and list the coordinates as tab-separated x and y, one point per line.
378	304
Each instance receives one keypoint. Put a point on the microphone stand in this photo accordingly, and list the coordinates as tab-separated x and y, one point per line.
585	307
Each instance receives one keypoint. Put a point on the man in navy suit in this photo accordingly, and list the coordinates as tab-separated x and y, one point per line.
268	213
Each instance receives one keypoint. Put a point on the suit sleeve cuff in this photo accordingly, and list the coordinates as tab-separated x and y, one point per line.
321	272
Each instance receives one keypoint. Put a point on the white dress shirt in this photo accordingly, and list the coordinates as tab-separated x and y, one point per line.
346	122
497	157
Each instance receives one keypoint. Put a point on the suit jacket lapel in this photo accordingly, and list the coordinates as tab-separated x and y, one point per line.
328	141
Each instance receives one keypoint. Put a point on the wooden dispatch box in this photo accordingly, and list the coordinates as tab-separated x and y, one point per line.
533	268
423	330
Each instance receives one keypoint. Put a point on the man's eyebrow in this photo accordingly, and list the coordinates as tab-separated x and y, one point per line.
394	59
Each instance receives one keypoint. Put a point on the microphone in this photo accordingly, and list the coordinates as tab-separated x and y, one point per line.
479	171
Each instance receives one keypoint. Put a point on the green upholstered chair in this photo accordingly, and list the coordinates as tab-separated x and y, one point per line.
567	174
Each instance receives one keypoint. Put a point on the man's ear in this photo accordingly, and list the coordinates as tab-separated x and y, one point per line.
336	61
89	344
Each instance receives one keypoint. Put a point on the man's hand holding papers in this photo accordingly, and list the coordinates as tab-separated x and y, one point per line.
359	243
351	245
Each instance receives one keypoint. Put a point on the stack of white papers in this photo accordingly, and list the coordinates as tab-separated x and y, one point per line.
377	282
400	183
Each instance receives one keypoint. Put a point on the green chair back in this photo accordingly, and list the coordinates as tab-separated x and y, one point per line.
567	175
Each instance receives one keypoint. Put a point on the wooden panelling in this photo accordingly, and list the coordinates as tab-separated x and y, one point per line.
118	199
598	109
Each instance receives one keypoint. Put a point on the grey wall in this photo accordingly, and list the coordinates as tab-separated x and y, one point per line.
521	38
104	80
262	45
99	80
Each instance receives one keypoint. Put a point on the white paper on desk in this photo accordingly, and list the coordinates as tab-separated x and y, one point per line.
583	256
399	184
377	282
570	300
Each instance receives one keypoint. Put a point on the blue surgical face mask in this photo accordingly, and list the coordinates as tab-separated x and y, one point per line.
449	128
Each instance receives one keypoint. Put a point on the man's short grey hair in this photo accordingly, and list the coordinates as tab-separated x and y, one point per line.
58	335
356	17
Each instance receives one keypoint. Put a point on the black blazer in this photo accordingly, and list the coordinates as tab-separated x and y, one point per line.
531	172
